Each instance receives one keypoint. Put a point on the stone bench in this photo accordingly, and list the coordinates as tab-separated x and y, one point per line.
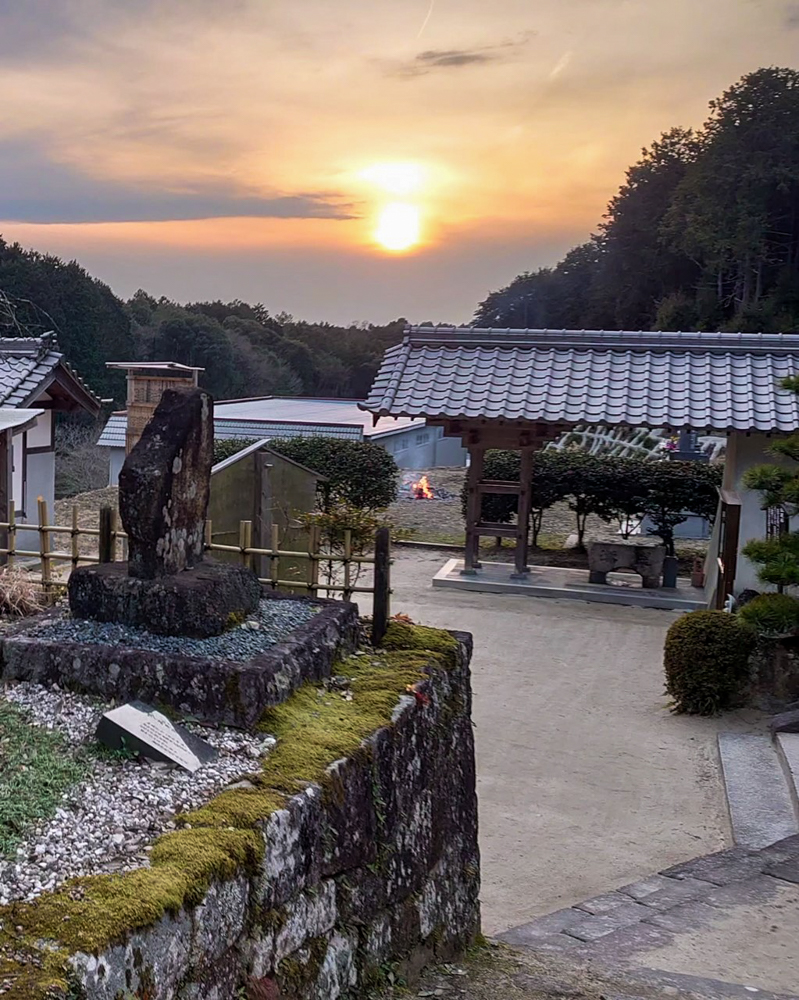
644	558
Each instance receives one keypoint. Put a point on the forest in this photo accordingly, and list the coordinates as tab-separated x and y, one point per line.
703	234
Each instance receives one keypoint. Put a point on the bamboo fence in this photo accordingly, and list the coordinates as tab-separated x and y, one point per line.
342	568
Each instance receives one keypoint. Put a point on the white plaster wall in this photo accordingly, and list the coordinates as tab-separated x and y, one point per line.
16	477
40	435
41	483
116	459
744	451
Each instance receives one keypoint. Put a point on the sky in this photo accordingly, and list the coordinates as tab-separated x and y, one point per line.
346	160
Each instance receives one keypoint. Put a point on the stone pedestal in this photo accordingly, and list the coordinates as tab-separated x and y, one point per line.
641	557
199	602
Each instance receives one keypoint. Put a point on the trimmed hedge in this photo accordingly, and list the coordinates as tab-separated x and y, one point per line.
772	614
357	473
706	660
613	488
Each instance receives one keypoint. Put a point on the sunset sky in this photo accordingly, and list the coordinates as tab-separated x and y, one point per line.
346	159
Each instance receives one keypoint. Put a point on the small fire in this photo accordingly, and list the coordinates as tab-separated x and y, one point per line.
422	490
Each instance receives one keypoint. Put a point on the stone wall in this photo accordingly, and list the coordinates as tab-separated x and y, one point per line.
312	880
775	673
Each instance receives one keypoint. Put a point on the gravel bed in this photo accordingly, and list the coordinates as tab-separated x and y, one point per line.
107	823
269	624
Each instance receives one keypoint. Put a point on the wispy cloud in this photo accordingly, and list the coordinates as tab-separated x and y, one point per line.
432	60
34	189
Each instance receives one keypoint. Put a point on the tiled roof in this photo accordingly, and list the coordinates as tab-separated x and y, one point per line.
28	365
719	381
113	435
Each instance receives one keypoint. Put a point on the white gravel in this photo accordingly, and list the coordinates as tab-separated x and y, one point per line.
108	822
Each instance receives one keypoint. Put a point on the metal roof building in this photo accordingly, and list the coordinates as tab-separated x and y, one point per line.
706	381
413	444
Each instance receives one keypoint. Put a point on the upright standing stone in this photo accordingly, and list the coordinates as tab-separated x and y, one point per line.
165	483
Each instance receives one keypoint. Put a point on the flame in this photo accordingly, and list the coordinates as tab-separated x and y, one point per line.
422	489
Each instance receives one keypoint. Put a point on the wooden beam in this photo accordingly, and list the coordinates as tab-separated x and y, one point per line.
6	483
523	511
474	476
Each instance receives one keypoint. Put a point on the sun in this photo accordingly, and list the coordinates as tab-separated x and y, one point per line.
398	226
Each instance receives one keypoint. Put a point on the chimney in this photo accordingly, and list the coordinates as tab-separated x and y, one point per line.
147	381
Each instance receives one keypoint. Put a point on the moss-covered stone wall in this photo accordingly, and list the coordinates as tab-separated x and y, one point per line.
352	854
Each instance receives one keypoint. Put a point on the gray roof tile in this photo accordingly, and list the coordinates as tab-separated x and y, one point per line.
722	381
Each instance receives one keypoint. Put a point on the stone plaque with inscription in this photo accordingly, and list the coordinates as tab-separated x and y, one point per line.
144	730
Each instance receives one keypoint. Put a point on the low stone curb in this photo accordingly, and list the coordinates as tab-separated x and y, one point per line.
218	691
646	914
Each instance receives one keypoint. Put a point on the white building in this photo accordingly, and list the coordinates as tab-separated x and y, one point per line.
34	375
413	443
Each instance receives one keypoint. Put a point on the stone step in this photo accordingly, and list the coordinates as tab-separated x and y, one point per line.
760	802
787	745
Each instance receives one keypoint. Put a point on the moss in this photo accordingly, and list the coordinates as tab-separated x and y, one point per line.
234	619
94	912
295	976
314	731
238	807
403	635
222	838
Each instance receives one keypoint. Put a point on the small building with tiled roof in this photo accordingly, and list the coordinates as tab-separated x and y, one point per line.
518	389
34	376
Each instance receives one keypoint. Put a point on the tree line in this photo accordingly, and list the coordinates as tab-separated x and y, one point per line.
704	234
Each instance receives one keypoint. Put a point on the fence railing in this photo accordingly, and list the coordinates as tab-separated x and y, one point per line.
313	570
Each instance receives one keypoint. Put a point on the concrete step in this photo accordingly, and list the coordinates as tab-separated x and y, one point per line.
787	745
760	801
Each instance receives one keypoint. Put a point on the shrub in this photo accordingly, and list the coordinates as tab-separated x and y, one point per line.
706	659
357	473
778	559
612	487
225	447
771	614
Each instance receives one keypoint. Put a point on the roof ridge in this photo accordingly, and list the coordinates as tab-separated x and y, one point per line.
697	341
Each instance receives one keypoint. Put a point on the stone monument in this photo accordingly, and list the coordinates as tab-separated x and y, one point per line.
167	585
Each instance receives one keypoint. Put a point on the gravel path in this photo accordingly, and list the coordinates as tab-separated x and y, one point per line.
107	823
269	624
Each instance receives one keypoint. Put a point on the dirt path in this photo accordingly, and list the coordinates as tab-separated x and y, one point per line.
586	781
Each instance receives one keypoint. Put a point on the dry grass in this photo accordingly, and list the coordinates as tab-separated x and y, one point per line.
21	593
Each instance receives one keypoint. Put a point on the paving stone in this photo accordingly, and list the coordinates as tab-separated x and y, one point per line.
742	893
605	903
761	809
646	886
786	870
680	985
552	923
549	943
685	917
783	850
615	947
593	927
676	891
721	867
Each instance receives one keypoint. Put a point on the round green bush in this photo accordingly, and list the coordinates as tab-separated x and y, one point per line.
706	659
771	614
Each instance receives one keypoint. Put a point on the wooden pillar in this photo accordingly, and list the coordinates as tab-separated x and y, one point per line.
523	512
6	484
471	561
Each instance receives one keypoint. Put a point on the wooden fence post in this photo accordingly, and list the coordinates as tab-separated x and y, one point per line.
107	535
44	542
314	542
274	567
12	533
382	585
74	537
